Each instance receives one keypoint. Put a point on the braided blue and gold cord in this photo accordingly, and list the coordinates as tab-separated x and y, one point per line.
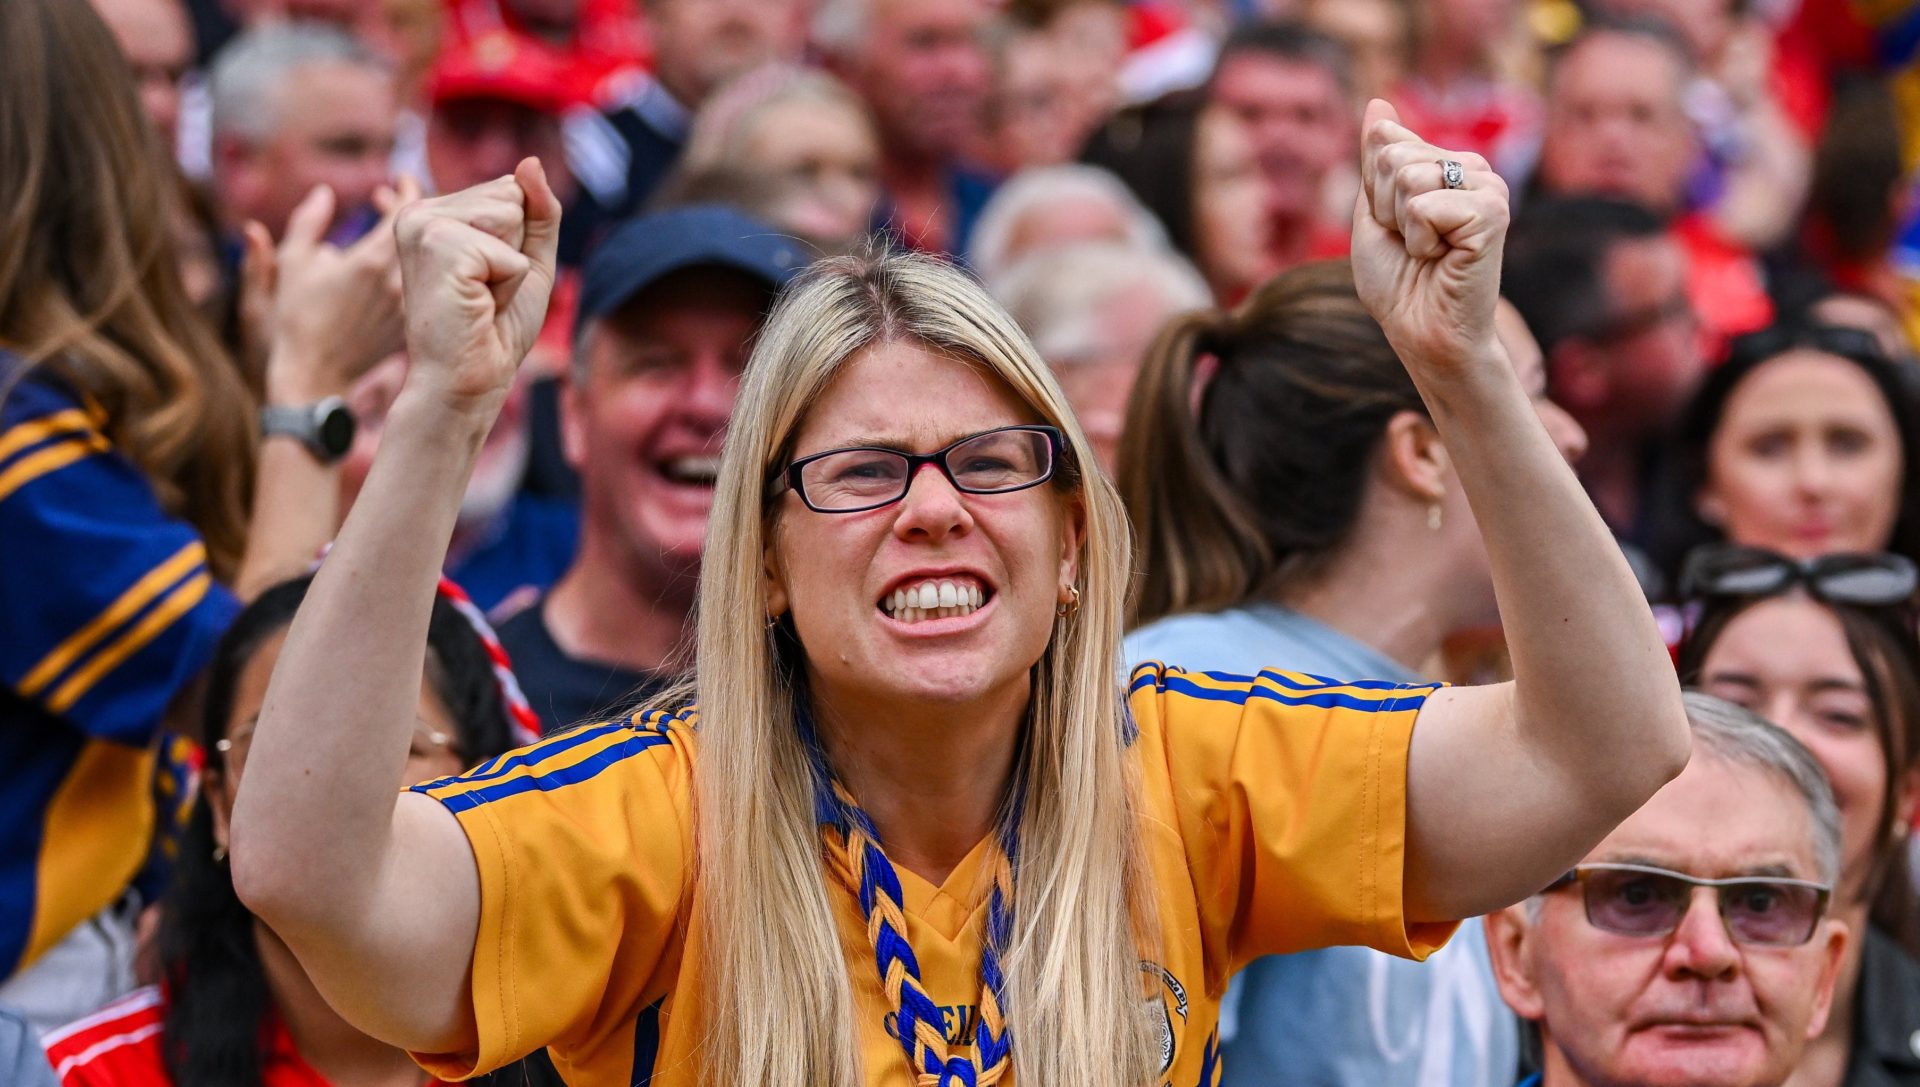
918	1017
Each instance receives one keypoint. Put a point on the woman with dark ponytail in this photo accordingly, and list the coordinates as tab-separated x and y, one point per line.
1295	507
235	1009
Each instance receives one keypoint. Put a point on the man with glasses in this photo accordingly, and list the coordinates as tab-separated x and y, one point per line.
1603	287
1691	948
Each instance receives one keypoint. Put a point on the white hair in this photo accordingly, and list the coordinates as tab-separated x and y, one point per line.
245	82
1033	192
1059	295
840	26
725	121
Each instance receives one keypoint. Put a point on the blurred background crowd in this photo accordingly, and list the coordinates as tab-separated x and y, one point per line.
1712	288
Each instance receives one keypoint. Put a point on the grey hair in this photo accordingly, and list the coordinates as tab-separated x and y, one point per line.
1057	294
840	26
1738	735
1734	734
247	75
1033	191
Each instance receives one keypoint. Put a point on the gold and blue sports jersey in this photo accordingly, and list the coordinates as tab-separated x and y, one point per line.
1273	815
107	611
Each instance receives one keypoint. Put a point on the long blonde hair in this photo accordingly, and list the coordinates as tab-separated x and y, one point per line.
778	994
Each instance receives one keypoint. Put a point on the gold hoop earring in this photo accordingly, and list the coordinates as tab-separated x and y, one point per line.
1072	607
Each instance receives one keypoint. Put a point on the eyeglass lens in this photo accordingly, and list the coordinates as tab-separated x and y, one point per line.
999	460
1756	911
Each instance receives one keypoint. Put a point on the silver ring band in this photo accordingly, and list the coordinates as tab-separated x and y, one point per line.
1453	174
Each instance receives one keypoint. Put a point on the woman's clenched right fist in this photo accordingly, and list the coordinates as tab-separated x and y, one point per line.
476	270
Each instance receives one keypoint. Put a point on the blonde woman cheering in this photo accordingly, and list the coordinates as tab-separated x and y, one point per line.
914	832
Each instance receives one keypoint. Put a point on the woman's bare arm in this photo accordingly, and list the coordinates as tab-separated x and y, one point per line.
1508	785
376	891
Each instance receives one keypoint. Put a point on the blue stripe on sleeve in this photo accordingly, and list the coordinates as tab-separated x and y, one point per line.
527	756
583	770
1323	700
1315	682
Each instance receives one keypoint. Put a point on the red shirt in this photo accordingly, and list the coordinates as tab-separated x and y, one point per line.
119	1046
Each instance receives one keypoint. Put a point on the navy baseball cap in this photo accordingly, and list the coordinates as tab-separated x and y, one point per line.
642	251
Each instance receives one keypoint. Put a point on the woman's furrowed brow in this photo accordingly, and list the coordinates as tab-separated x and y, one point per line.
868	441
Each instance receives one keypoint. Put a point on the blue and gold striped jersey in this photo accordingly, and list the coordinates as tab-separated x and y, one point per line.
1273	813
107	611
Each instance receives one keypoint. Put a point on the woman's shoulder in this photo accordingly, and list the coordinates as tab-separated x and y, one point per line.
118	1045
29	392
1195	638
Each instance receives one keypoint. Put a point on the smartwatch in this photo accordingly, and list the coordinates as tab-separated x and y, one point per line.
326	428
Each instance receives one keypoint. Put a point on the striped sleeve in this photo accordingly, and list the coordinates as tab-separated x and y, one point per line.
584	847
117	1046
1289	791
110	606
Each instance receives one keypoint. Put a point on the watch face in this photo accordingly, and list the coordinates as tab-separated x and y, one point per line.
334	432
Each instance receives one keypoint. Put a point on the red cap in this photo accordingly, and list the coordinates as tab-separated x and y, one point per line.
508	66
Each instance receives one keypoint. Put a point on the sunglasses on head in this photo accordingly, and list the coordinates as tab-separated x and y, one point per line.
1722	570
1644	901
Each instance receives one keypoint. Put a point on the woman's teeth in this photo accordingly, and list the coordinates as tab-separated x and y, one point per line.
933	600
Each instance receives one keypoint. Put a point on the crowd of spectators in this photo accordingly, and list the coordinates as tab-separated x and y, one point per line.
1711	291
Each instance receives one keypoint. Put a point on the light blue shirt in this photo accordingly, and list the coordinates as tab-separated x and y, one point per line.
1343	1016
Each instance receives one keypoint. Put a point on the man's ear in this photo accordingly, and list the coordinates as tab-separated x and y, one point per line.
1412	460
1509	944
1833	936
573	407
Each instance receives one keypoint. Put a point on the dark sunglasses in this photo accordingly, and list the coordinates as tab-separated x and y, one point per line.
1643	901
1720	570
866	477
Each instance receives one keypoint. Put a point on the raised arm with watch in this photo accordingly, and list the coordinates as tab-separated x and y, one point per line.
330	313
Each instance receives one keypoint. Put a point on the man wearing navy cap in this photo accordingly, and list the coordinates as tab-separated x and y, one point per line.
669	304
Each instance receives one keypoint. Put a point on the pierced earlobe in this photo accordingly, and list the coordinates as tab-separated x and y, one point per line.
1070	606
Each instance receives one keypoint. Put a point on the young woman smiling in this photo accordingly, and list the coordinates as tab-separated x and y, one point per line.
911	849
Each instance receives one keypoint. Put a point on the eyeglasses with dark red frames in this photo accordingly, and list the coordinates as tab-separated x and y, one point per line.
866	477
